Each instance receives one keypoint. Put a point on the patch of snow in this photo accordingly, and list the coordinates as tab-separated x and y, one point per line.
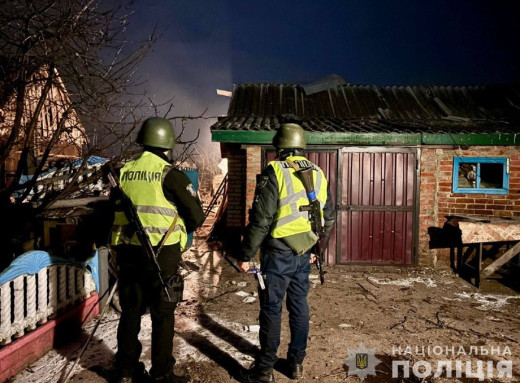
429	282
249	300
488	301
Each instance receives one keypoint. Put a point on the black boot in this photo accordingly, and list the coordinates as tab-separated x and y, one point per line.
257	375
138	375
295	371
171	378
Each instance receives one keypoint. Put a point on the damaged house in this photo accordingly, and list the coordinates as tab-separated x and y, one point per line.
40	133
48	106
399	159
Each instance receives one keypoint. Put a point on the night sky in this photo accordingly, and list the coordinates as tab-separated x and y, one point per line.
205	45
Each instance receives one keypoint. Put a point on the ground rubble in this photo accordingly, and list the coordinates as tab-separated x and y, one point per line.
415	316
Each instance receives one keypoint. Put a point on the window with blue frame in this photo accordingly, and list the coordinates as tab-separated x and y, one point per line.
487	175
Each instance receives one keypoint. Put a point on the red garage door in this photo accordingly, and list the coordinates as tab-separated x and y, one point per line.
377	209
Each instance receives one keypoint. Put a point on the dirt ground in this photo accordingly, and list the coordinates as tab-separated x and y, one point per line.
372	310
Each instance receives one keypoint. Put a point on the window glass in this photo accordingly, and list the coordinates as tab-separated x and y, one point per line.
468	175
491	176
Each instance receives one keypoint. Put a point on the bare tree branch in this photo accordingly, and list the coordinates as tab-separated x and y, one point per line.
54	140
92	66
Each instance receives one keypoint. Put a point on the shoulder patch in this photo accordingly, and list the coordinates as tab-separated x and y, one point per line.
191	190
261	181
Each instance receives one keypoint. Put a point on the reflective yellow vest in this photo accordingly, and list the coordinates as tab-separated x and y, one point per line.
289	220
141	180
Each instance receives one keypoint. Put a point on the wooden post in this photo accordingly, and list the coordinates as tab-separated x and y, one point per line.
104	278
479	249
507	256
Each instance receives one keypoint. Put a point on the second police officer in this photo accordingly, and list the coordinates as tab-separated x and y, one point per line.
285	237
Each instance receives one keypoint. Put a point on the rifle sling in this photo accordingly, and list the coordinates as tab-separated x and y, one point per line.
166	235
297	168
294	165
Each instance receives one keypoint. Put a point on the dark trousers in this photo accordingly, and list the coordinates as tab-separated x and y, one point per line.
139	287
285	273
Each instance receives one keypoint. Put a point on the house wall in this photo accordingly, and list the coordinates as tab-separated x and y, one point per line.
70	142
438	201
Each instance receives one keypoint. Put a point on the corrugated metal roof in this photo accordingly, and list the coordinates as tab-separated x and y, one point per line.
372	109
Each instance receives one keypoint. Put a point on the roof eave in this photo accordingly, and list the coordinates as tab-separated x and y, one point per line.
343	138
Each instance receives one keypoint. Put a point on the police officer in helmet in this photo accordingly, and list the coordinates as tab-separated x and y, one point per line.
163	197
285	237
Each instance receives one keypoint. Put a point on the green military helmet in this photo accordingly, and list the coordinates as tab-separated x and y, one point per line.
156	132
290	136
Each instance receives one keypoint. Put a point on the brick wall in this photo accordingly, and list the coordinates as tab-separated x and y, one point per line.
438	201
236	175
253	167
243	166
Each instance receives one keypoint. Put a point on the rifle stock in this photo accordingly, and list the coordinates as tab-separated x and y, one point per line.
133	218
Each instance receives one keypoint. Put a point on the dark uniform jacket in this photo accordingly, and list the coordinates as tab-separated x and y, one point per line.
178	189
261	217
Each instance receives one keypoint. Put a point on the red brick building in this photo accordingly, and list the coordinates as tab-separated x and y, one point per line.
399	159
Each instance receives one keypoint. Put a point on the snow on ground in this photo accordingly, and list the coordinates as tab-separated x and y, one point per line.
404	282
488	301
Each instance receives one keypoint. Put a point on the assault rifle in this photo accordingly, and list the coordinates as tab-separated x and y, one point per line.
314	210
142	235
